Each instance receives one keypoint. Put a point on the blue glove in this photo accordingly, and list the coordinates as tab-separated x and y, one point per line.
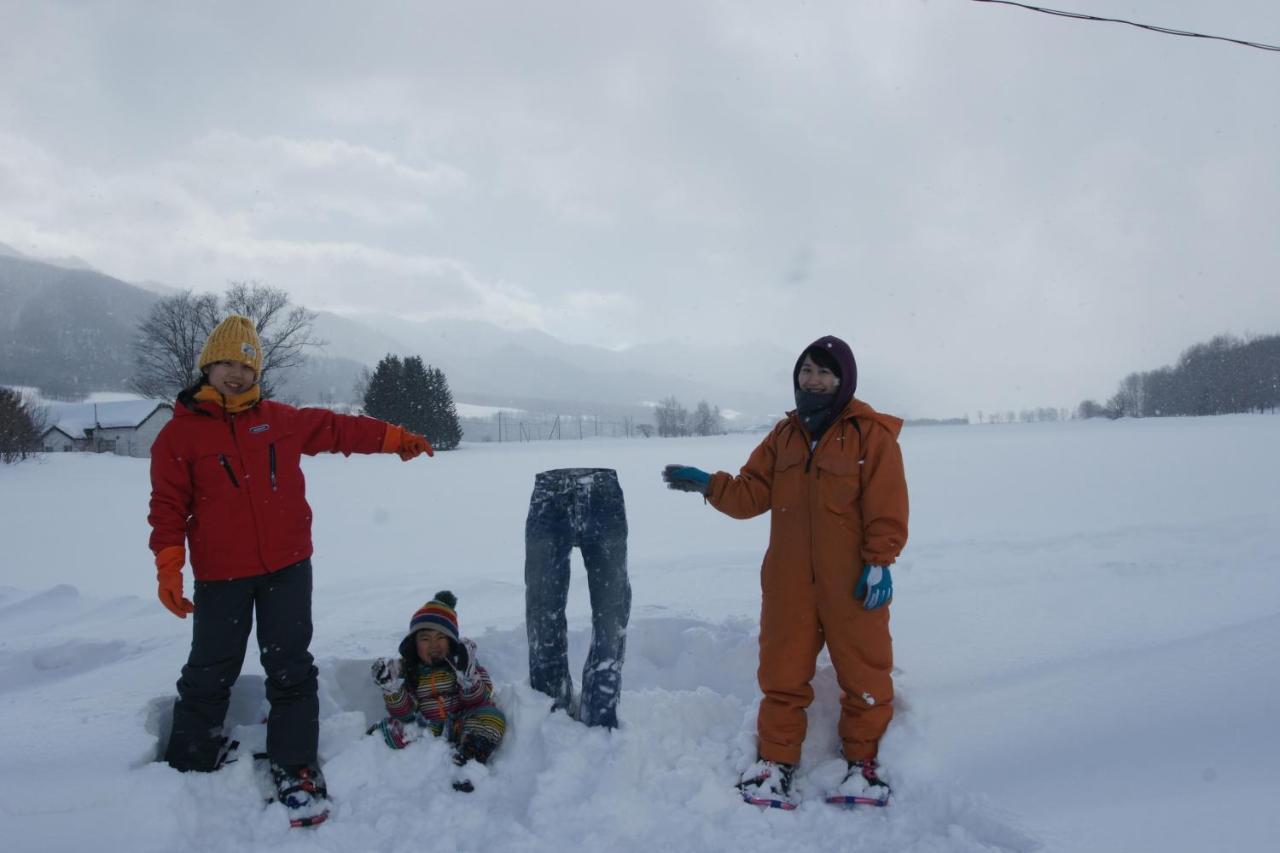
875	587
685	479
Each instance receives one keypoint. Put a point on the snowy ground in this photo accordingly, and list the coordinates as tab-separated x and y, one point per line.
1087	626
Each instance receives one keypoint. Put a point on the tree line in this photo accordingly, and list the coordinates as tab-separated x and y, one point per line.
1224	376
673	419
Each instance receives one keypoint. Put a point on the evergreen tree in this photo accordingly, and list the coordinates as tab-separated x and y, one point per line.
415	396
447	430
384	398
20	426
418	393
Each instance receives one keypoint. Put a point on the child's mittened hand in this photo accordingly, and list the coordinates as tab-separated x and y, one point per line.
386	672
464	663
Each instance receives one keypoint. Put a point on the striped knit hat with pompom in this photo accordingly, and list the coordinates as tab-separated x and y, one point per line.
438	614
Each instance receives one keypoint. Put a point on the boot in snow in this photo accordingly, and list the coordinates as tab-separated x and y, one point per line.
862	786
768	783
471	749
301	789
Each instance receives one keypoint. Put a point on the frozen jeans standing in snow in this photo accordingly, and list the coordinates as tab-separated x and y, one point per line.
582	507
223	617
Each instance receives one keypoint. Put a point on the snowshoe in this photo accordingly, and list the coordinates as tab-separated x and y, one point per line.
227	753
862	786
768	783
300	789
395	733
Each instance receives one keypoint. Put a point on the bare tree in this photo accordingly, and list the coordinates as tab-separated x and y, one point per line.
672	418
285	329
169	341
707	420
173	332
360	389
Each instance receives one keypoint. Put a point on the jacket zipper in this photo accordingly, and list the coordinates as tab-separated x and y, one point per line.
226	466
271	454
812	486
813	490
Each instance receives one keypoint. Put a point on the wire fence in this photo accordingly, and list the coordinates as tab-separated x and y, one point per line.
533	426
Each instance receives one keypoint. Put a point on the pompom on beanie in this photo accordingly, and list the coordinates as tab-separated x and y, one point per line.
438	614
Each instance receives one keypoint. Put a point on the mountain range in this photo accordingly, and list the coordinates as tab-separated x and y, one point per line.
68	329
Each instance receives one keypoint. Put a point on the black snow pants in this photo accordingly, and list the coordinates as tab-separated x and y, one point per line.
219	637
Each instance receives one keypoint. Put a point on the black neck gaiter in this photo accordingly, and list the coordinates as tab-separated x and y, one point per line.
815	411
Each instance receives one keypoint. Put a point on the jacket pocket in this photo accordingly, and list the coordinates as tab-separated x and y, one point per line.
226	466
793	455
787	493
839	485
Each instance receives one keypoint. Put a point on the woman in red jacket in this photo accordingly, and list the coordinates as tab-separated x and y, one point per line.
226	481
831	476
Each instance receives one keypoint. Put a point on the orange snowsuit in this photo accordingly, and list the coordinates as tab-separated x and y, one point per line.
836	508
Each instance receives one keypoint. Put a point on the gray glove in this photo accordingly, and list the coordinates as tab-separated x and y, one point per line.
463	662
386	674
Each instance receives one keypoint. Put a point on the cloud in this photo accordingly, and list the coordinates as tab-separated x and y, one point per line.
998	209
216	215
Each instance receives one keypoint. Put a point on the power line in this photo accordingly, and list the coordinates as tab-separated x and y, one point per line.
1152	27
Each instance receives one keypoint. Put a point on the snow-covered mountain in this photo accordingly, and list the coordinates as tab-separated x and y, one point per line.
71	331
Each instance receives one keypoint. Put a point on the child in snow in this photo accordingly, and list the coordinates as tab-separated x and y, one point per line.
436	684
226	481
831	473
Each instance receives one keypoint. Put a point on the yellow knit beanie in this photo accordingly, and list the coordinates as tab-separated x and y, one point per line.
235	339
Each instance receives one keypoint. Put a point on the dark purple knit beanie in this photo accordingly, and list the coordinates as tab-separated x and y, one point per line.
829	349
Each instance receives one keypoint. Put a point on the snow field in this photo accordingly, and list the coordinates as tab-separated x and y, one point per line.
1086	622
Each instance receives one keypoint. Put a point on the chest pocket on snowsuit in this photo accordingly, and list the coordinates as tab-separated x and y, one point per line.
840	480
788	488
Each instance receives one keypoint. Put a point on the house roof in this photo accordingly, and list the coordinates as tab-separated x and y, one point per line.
55	429
74	419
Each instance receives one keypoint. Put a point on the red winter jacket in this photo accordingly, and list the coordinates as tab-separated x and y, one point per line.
231	485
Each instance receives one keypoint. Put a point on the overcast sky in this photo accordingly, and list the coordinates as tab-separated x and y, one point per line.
998	209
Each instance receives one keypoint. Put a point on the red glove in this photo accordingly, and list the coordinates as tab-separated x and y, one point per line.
407	444
169	564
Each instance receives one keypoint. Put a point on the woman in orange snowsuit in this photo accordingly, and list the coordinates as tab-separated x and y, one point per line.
831	474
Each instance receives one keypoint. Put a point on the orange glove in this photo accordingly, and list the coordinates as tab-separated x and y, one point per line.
169	574
407	444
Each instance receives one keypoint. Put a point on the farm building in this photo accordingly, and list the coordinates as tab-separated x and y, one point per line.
125	428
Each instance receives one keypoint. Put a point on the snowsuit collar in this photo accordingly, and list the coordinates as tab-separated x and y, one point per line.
234	404
203	399
854	411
